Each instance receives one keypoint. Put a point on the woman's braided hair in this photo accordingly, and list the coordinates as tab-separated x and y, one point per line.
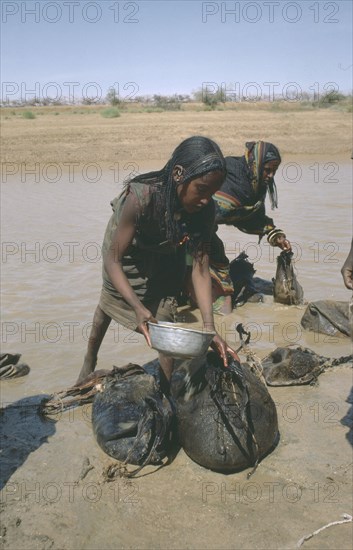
197	155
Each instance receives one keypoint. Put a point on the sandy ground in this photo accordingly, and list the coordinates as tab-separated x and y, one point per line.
57	497
151	137
54	493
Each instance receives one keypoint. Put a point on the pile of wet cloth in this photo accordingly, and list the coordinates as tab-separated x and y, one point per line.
296	365
329	317
224	418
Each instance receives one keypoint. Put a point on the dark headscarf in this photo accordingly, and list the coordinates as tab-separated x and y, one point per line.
198	156
257	153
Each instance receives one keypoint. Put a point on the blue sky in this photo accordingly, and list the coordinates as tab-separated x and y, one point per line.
174	47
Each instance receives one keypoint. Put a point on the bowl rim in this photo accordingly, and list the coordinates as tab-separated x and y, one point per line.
166	324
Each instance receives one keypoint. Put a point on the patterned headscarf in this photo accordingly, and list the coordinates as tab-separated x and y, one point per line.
257	153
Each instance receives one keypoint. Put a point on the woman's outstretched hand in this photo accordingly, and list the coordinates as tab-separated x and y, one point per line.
283	243
221	347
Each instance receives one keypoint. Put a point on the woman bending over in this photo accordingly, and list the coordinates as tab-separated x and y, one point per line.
158	219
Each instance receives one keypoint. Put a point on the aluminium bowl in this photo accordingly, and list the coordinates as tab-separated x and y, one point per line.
179	342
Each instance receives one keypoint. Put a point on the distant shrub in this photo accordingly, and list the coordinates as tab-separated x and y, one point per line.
28	114
89	100
153	110
112	97
210	97
331	98
167	103
110	113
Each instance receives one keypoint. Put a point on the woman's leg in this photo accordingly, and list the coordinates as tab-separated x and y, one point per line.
101	322
166	310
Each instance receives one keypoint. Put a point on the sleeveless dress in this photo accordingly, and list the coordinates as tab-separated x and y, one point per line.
154	267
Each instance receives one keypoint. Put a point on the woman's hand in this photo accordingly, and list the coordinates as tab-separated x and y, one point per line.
276	237
221	347
143	316
283	243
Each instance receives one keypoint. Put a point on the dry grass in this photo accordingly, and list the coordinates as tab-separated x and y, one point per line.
80	134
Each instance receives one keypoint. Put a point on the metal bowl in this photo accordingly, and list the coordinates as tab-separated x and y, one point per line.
179	342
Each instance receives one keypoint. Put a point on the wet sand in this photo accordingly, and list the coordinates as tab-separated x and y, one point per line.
51	233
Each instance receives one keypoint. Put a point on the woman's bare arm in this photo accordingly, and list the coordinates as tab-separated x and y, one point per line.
201	280
121	240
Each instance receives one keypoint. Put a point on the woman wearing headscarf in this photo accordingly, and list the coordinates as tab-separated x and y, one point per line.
158	219
241	202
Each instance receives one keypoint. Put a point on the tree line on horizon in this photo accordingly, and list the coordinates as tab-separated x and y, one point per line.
211	100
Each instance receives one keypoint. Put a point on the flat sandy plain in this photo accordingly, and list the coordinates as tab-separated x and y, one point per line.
54	495
83	135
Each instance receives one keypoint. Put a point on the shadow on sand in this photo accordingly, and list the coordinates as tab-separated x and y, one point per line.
22	431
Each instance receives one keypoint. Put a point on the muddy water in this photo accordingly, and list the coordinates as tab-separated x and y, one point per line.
51	264
51	235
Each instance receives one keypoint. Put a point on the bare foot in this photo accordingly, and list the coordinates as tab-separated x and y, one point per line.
89	364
